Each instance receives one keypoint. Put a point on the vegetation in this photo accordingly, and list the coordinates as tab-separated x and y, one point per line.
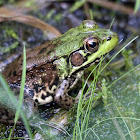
116	115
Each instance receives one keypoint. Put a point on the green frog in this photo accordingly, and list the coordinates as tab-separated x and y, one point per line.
56	66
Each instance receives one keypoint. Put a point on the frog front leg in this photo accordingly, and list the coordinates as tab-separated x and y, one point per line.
62	98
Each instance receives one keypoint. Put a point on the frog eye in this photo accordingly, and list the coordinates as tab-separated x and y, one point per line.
77	59
92	44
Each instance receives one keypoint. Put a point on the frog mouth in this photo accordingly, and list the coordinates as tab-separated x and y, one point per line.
96	61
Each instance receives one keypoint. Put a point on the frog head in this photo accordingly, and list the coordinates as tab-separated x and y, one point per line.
80	47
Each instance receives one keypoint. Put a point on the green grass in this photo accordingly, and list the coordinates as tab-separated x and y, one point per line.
84	108
6	95
80	133
21	95
13	99
81	130
137	6
76	5
41	126
83	111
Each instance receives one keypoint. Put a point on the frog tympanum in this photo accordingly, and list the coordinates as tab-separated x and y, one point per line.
55	67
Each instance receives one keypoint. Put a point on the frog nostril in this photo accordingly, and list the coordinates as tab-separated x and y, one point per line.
108	38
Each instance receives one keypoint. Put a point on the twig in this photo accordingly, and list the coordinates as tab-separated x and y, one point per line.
114	6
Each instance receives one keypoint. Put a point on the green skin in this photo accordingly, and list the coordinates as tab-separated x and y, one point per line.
73	40
65	57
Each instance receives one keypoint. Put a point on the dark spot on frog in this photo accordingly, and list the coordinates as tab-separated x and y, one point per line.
36	100
60	98
67	105
36	87
32	75
50	51
9	118
54	68
50	86
73	100
41	69
42	87
48	94
35	65
43	96
14	73
66	100
35	104
65	84
27	71
42	50
9	74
